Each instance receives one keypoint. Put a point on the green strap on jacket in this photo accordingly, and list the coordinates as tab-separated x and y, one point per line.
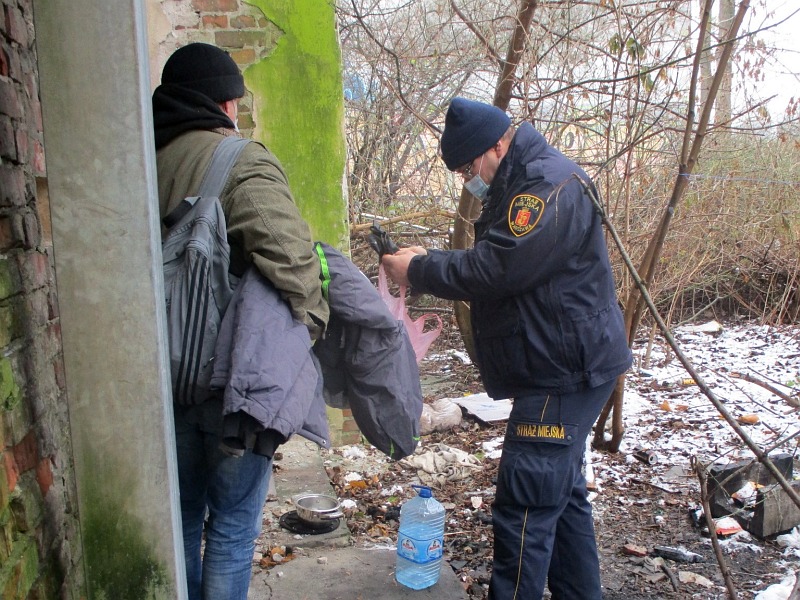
326	273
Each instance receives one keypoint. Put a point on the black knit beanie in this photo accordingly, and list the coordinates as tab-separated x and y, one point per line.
470	129
206	69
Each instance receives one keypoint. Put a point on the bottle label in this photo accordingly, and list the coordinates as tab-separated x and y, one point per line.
419	551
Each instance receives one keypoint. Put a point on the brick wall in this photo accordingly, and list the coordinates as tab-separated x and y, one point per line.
248	36
39	536
239	28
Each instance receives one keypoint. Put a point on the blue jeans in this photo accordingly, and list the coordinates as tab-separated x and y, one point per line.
233	490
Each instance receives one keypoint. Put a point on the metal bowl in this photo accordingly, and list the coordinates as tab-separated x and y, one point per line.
317	509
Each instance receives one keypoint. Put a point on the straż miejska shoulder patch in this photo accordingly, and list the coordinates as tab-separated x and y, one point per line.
524	213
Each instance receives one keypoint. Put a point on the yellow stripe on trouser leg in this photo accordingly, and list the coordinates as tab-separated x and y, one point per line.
521	548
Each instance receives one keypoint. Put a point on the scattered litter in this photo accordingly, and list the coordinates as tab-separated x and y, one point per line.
484	408
462	357
689	577
493	448
441	463
355	481
677	554
677	474
635	493
736	543
746	495
790	541
651	569
778	591
749	419
439	415
353	452
711	327
648	457
395	490
275	556
697	516
726	526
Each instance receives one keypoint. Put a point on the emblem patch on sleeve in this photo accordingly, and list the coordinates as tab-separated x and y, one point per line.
524	213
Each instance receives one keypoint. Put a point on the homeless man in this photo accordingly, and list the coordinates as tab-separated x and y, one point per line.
194	109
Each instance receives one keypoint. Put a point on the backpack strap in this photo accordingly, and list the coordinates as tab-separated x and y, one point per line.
215	178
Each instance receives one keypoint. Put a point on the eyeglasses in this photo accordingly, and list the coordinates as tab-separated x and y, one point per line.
467	169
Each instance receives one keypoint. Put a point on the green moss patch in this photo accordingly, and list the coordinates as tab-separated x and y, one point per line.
121	564
299	110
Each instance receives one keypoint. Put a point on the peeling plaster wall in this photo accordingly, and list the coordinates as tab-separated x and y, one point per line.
290	56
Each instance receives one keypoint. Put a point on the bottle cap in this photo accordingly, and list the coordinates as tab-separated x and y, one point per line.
423	491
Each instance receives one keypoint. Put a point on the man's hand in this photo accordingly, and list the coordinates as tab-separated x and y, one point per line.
396	264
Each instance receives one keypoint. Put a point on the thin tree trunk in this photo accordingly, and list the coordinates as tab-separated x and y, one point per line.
690	152
706	66
724	98
468	206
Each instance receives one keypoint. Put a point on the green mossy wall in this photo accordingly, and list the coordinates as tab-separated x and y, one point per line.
10	394
121	562
299	110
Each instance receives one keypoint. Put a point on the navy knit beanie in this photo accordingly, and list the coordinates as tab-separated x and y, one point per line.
470	129
206	69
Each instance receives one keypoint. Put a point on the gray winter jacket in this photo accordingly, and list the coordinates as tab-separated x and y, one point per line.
266	368
270	375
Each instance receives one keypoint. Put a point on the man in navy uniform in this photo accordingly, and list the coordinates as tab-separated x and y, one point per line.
548	333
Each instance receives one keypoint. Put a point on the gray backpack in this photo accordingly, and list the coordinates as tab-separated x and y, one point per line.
197	283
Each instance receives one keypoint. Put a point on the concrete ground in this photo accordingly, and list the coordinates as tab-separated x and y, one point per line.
326	566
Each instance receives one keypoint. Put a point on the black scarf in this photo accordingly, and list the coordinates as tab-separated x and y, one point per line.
177	110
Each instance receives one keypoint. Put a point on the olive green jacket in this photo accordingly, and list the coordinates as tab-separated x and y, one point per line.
264	225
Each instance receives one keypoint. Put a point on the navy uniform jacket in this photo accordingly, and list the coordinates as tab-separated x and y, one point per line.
543	304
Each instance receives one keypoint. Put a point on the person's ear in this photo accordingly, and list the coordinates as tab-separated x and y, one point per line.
230	108
501	147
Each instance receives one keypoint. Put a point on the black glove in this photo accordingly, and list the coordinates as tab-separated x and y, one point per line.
379	240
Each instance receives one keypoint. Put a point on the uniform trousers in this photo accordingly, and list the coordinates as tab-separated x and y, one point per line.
542	519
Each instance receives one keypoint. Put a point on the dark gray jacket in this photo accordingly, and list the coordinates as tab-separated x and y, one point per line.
368	362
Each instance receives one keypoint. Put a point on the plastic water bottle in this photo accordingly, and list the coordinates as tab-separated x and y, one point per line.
420	540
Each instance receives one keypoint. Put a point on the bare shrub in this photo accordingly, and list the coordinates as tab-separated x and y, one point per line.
607	83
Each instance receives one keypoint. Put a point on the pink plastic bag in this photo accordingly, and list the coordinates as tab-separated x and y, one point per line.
420	339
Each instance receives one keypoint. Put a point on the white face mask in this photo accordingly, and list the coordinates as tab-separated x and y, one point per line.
476	185
236	124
